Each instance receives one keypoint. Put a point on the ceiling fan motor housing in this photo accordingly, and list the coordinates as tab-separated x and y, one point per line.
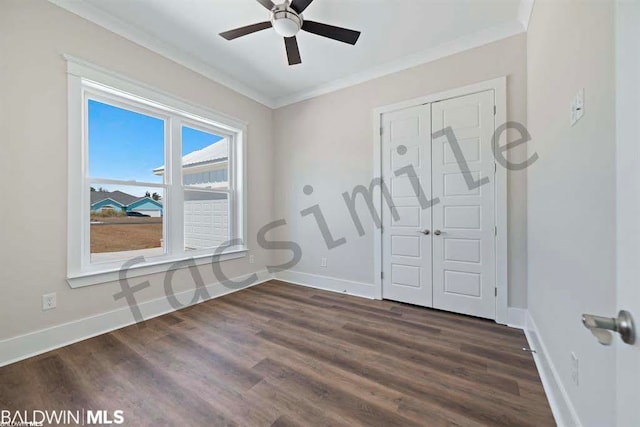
285	20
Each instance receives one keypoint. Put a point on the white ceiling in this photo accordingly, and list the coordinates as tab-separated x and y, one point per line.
396	34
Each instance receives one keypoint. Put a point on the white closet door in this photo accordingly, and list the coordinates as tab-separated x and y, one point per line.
406	250
464	276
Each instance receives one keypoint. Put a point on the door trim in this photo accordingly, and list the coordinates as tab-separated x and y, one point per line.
499	87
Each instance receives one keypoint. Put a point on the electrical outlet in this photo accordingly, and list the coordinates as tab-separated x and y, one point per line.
48	301
323	262
580	105
252	259
575	371
576	109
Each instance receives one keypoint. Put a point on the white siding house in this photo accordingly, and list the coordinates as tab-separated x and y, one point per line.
206	214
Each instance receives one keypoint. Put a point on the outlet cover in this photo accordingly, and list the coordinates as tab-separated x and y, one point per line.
252	259
580	104
575	369
323	262
48	301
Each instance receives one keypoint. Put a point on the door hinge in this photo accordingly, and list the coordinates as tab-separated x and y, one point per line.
381	131
495	168
382	274
495	231
496	291
495	110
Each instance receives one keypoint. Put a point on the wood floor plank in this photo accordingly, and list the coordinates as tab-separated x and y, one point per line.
413	379
296	410
349	310
375	392
284	355
333	399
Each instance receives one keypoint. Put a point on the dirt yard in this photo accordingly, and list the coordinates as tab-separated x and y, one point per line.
125	234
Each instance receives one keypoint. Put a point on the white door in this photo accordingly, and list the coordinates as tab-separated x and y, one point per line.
406	249
628	209
463	171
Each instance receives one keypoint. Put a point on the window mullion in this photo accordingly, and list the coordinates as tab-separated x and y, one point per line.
238	186
175	208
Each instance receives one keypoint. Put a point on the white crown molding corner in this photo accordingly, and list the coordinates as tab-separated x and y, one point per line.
44	340
563	410
129	32
524	13
461	44
117	26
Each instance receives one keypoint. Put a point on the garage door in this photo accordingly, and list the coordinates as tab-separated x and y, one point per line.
206	221
153	213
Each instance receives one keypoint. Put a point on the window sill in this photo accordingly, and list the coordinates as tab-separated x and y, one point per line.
96	277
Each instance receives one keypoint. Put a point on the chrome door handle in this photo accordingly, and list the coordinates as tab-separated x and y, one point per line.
426	232
437	232
601	327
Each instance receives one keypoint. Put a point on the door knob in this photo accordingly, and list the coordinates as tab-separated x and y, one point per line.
437	232
601	327
426	232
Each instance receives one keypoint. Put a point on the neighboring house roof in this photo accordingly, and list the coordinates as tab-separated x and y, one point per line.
214	153
121	198
146	201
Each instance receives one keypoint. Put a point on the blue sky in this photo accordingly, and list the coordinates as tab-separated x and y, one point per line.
125	145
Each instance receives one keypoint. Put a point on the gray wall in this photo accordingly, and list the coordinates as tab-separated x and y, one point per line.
34	138
327	142
571	193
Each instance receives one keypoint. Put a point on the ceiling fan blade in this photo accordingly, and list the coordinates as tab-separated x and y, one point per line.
293	53
243	31
336	33
266	3
300	5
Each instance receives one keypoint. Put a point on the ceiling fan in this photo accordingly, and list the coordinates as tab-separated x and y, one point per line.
287	20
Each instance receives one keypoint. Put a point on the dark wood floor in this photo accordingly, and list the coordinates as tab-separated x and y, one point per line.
284	355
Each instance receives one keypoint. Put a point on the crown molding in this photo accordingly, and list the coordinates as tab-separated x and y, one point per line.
461	44
117	26
524	12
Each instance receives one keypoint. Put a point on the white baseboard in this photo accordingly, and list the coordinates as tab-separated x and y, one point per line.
561	406
38	342
517	317
333	284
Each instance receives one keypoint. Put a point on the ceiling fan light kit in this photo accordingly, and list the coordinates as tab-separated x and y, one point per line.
287	21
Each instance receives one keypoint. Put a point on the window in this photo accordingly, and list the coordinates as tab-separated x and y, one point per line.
123	143
151	177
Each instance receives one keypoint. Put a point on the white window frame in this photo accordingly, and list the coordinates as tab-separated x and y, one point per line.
87	81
